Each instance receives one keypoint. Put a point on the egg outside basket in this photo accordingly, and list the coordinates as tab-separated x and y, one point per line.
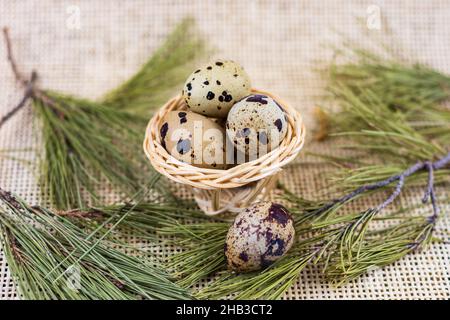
218	191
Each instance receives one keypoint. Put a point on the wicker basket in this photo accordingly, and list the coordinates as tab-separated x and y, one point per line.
218	191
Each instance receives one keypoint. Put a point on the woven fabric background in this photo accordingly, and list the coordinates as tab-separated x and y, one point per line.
276	41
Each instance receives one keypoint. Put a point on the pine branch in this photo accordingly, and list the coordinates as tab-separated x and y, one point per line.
415	87
203	243
391	113
374	128
400	178
87	142
43	248
347	179
411	93
84	143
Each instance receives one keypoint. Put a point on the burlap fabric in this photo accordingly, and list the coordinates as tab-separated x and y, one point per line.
276	41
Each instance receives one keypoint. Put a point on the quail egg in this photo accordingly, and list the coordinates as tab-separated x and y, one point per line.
214	88
260	235
193	138
256	124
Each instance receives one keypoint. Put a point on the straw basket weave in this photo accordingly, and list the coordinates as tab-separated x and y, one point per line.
218	191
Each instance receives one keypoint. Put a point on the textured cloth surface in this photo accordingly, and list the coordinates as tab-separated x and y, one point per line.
276	41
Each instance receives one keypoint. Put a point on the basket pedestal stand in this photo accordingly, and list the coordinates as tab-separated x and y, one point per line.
217	191
213	202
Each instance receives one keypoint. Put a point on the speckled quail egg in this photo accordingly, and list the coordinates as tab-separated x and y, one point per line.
259	236
256	123
193	138
214	88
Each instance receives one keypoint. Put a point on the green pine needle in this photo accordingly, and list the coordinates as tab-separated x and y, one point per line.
404	86
203	243
395	100
9	154
347	179
86	143
390	112
44	248
373	127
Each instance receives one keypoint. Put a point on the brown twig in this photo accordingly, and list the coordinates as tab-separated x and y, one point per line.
17	74
31	88
29	84
15	247
79	213
9	198
29	91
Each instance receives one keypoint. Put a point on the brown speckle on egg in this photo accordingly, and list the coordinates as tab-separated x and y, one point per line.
177	137
278	124
210	95
200	93
265	121
257	98
163	130
259	236
182	116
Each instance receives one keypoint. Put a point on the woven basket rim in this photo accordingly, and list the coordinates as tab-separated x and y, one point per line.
237	176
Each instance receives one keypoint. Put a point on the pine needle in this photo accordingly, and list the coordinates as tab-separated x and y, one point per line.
373	127
203	244
84	144
51	257
413	94
403	86
9	154
393	114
